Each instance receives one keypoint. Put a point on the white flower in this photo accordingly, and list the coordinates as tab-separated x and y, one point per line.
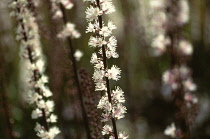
105	117
111	137
105	31
33	97
67	4
99	64
170	78
70	27
103	102
185	47
189	85
40	65
78	54
183	16
36	113
112	42
98	75
93	42
96	42
90	28
94	58
53	132
122	135
184	71
46	91
119	111
75	34
118	95
69	30
49	105
107	7
113	73
100	86
38	127
13	5
58	14
170	131
52	119
41	104
111	53
159	44
106	130
92	13
111	25
44	79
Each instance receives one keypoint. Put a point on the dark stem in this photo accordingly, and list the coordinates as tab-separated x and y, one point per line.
107	80
7	111
25	38
179	102
75	69
4	99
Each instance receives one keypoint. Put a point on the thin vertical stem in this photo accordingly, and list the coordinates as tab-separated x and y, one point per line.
4	100
107	80
75	69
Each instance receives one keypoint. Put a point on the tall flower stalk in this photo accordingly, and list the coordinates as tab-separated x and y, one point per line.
69	32
31	52
178	77
102	39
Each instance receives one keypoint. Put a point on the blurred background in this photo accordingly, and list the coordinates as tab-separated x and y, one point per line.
149	107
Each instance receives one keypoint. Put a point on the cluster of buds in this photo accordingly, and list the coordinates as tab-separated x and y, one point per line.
90	101
30	50
173	77
105	43
57	13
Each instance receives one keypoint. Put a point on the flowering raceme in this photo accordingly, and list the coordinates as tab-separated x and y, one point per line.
111	102
178	77
69	33
30	50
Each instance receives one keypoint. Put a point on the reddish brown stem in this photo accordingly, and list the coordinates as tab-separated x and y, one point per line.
75	69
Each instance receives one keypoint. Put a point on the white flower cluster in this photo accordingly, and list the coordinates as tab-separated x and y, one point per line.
46	135
161	22
106	44
30	50
69	29
57	13
114	109
78	55
170	131
179	76
174	76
